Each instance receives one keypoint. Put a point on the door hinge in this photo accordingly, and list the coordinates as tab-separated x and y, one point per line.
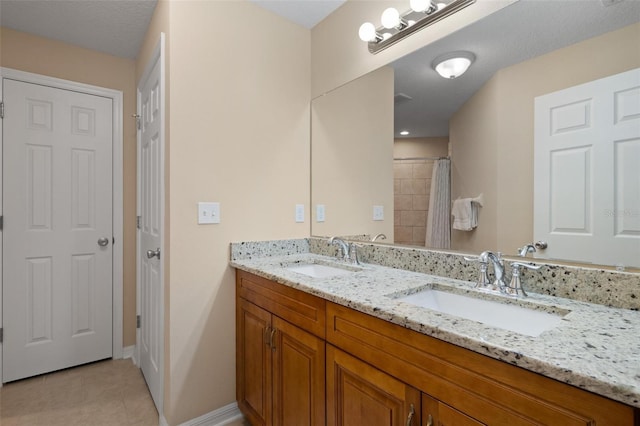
1	335
138	321
1	222
138	222
137	117
1	109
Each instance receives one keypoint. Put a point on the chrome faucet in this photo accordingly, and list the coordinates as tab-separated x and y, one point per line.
348	251
514	288
342	245
529	248
498	271
379	236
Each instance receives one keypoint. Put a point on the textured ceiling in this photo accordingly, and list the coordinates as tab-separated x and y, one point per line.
116	27
523	30
303	12
516	33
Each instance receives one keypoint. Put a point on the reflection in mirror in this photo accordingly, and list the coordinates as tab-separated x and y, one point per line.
483	121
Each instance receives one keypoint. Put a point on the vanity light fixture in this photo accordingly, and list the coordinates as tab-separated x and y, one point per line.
453	65
396	26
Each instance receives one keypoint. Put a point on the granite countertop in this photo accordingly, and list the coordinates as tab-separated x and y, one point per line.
596	348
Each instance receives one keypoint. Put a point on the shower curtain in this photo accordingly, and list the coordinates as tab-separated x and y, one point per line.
439	216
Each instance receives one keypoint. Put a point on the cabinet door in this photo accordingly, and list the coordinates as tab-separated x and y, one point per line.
435	413
298	377
359	394
254	358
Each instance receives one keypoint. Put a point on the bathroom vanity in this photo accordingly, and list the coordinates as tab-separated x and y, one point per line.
334	344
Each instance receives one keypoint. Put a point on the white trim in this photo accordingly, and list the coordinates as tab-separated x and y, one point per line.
129	352
158	56
116	97
220	417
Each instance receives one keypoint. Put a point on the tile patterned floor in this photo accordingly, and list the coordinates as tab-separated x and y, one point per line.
105	393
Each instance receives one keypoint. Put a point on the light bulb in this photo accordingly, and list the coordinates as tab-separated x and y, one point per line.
454	64
390	18
453	68
404	133
420	5
386	36
367	32
441	6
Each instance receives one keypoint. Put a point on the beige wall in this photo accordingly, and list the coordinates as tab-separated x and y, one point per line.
421	147
239	135
339	56
38	55
492	134
351	154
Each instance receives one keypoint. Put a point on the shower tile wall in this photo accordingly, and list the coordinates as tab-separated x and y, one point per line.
411	185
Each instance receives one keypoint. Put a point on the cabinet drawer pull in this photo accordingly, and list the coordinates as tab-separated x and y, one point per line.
412	411
271	336
267	329
430	420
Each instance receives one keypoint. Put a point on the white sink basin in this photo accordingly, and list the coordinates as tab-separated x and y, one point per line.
318	270
529	322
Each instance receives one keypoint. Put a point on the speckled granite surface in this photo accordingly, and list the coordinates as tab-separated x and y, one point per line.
609	288
596	347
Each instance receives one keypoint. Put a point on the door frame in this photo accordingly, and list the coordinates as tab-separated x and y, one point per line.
158	56
117	181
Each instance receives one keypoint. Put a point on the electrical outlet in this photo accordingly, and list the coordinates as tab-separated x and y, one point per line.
378	212
208	213
320	213
299	213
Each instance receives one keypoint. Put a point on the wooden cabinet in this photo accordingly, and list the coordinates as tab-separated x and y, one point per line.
484	389
292	346
435	413
361	395
280	371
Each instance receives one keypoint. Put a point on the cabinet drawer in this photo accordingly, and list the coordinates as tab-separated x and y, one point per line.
299	308
491	391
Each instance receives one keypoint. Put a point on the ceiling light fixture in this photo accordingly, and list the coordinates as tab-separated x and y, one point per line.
396	26
453	65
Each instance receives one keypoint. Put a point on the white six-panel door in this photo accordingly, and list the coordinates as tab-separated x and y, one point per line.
587	171
150	207
58	231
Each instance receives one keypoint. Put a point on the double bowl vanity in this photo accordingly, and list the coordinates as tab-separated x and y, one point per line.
320	341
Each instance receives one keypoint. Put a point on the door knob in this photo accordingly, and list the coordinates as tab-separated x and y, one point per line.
541	245
153	253
103	242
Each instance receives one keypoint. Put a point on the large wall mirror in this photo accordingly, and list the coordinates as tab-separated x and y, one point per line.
367	178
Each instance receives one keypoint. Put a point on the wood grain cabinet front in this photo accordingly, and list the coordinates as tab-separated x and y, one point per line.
280	368
484	389
435	413
304	361
361	395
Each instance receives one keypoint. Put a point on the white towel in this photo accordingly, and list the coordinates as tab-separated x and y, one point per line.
465	214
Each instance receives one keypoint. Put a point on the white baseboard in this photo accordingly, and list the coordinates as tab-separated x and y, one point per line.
129	352
220	417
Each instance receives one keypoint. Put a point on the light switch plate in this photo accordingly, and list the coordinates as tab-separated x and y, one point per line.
299	213
319	212
208	213
378	212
